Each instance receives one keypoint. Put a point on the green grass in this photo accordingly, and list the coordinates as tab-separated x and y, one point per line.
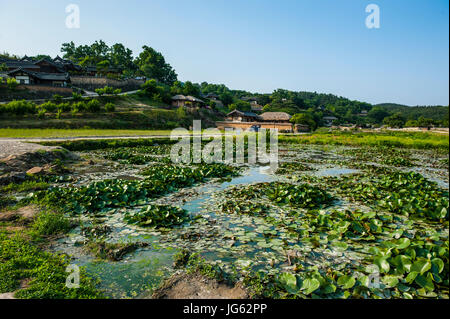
55	133
416	140
46	272
24	187
50	223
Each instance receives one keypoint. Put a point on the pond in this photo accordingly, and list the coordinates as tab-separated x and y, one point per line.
238	242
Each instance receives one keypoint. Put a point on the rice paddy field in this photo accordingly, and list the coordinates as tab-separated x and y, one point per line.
348	219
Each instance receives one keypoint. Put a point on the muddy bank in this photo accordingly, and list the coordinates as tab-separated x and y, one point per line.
197	286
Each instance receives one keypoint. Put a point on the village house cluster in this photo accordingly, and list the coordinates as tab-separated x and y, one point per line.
250	121
50	72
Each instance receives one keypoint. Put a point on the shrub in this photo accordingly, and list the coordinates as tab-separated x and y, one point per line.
105	90
93	106
57	98
48	223
12	83
41	113
79	107
109	107
48	107
18	107
63	107
117	91
77	96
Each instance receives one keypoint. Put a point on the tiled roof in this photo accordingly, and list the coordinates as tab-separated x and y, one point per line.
42	75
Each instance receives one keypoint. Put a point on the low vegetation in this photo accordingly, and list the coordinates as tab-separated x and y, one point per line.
157	216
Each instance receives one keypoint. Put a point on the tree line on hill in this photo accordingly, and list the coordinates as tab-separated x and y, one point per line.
306	107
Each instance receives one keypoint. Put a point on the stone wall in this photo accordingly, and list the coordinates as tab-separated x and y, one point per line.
33	92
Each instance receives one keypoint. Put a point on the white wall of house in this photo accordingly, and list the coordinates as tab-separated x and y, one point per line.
23	79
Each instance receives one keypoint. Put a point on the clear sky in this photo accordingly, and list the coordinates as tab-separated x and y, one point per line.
261	45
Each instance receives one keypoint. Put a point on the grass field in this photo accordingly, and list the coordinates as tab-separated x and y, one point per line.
417	140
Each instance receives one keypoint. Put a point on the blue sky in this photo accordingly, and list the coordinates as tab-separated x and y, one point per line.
261	45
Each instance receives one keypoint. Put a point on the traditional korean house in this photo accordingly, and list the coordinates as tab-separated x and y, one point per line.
67	65
238	116
25	76
301	128
41	72
251	121
212	96
276	117
186	101
15	64
328	120
48	66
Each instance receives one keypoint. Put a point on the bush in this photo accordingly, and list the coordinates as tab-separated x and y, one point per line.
18	108
63	107
57	98
105	90
48	223
77	96
155	91
79	107
41	113
12	83
93	106
109	107
48	107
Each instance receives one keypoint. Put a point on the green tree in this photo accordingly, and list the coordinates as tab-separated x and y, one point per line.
226	98
411	123
424	122
240	105
121	57
150	87
153	65
191	89
395	120
305	119
103	66
377	115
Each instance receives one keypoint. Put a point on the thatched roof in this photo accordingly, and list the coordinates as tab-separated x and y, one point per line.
275	116
180	97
